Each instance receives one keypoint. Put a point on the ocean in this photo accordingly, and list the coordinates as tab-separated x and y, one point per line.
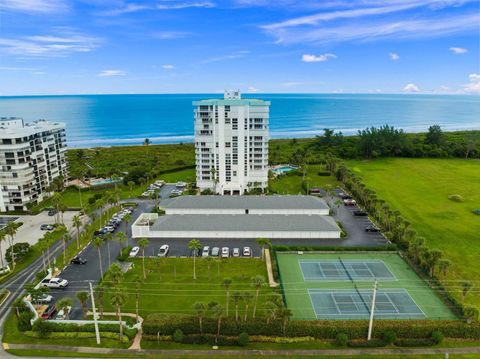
107	120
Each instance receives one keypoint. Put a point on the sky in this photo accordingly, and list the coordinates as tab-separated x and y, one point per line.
205	46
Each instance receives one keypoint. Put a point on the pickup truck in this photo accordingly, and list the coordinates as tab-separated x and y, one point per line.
54	283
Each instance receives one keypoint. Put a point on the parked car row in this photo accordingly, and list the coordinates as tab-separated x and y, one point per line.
349	201
153	188
223	252
114	222
51	313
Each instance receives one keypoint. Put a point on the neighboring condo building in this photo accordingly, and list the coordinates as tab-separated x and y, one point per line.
231	143
32	155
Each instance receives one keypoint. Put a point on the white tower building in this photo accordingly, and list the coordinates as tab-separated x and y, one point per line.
231	143
32	155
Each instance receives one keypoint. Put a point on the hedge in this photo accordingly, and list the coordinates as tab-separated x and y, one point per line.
320	329
87	328
75	335
285	248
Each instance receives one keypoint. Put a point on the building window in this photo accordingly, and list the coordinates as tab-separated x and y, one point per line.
227	144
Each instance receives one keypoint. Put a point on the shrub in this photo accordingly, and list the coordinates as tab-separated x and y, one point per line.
43	328
280	340
476	211
437	336
414	342
389	336
363	343
21	250
323	173
24	321
178	336
456	198
243	339
124	253
341	339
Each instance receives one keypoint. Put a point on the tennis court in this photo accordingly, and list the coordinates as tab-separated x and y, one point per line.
353	304
339	285
337	269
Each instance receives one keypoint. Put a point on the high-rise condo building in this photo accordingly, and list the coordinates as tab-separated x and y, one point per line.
231	143
32	155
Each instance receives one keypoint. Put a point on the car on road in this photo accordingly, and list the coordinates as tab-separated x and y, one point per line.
349	202
52	212
206	251
163	250
78	260
247	252
215	251
47	227
225	252
54	282
43	299
49	312
134	251
360	213
372	228
236	252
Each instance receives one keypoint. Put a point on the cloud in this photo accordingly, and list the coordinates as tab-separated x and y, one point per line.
183	5
168	67
474	85
291	84
411	88
170	35
13	68
61	44
110	73
253	89
319	58
34	6
458	50
377	21
394	56
160	5
231	56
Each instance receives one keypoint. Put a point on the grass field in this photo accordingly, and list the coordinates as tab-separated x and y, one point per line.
170	287
419	189
296	288
292	184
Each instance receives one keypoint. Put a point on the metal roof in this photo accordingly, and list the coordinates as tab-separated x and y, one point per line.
244	202
245	223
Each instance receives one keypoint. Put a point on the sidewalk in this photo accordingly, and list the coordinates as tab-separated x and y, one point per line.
246	352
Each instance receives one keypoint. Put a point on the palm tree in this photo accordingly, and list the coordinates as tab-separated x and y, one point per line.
64	304
262	242
77	222
246	297
47	240
237	297
116	274
226	283
108	237
146	143
97	243
217	313
285	315
11	231
65	239
126	219
466	286
99	293
83	298
258	281
138	280
35	293
271	310
118	299
3	236
130	185
120	237
443	266
194	245
143	243
200	309
62	207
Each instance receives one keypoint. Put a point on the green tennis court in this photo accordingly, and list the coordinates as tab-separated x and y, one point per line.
340	286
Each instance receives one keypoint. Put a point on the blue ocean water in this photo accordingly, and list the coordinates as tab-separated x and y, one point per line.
104	120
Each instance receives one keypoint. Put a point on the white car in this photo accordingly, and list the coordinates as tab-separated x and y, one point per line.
43	299
163	250
206	251
225	252
247	252
110	229
181	184
134	251
62	315
54	283
236	252
215	251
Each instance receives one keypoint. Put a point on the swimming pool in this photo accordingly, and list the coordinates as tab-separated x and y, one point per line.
107	181
283	169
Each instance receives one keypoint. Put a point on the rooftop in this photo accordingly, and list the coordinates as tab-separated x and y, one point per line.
16	127
231	102
245	223
244	202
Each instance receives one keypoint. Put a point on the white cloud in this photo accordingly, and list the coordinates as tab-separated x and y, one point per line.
231	56
34	6
394	56
63	43
110	73
411	88
474	85
458	50
184	5
168	67
291	84
318	58
253	89
170	35
163	5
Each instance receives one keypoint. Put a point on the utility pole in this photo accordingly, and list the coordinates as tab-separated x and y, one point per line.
372	310
97	332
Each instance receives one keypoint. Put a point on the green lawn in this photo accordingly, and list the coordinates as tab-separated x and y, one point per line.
170	287
292	184
187	175
419	189
296	288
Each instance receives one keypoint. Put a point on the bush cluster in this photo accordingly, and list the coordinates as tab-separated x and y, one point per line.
47	327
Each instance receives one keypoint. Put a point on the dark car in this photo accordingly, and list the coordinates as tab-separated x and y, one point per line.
49	312
360	213
52	212
100	232
344	196
78	260
372	229
196	253
47	227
